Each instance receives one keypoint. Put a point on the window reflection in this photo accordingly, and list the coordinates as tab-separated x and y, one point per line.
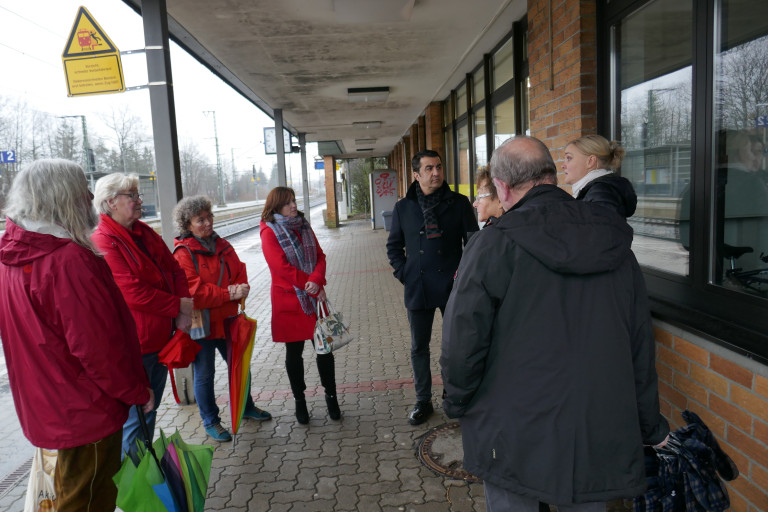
739	175
655	128
503	121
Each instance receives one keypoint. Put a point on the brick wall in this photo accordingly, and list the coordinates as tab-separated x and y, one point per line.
730	393
563	94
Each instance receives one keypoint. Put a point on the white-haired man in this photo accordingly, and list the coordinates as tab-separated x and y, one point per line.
548	349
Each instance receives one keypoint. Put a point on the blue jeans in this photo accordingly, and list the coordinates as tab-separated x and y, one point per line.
157	374
205	369
421	333
498	499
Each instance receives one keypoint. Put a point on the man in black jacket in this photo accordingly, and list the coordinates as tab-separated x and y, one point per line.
548	349
429	229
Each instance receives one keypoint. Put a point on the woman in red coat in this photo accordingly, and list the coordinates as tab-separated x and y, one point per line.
218	281
69	340
153	284
297	264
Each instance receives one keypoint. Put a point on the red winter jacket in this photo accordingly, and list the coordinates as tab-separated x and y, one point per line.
152	287
69	339
289	322
203	286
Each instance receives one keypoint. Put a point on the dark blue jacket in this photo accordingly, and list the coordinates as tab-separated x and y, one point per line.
426	266
612	191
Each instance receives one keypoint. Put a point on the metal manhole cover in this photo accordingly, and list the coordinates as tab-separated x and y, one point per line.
441	451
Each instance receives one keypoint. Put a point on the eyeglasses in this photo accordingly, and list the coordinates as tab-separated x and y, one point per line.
135	196
480	196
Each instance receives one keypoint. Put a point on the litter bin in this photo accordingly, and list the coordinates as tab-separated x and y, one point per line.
387	214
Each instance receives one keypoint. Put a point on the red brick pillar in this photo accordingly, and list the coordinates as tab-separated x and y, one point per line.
407	171
331	209
433	128
563	71
422	134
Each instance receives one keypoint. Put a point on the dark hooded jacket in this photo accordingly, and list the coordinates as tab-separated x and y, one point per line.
548	353
613	192
426	266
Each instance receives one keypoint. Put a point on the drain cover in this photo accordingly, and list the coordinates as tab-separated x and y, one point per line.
441	451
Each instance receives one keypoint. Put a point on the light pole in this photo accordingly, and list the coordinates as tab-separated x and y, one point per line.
765	129
90	164
218	158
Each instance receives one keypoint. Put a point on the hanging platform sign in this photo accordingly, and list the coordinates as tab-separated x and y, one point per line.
91	61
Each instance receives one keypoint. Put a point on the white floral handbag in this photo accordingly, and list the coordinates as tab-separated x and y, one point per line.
330	332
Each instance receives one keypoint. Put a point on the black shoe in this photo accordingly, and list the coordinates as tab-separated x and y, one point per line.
421	411
302	414
333	407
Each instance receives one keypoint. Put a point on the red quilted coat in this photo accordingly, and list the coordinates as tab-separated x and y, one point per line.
69	340
152	286
203	286
289	322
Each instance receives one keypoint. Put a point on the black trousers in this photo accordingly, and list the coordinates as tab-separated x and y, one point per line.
294	365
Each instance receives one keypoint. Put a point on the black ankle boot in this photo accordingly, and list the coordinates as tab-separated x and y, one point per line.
333	407
302	414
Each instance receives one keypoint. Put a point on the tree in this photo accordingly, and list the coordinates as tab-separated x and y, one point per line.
198	176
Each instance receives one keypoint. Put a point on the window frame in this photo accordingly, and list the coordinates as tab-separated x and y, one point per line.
732	319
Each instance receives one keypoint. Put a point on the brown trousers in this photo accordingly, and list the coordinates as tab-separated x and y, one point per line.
83	477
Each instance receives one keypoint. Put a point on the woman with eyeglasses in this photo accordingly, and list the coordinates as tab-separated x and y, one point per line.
152	282
218	282
487	203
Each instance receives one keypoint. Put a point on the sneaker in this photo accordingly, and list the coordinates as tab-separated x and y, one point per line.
257	414
218	432
333	407
421	411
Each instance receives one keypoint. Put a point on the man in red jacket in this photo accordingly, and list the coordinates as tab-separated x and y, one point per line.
69	339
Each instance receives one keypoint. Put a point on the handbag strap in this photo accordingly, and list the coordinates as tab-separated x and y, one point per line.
323	308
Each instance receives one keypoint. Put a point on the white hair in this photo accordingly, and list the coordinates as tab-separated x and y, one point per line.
109	186
54	191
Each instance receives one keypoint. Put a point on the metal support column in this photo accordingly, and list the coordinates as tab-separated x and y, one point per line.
304	176
155	16
280	143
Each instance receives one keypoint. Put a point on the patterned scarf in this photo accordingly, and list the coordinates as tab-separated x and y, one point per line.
428	204
300	250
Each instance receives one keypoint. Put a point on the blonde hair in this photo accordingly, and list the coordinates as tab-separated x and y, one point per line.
109	186
54	191
609	154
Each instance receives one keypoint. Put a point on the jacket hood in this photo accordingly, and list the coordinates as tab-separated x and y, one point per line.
566	235
20	247
623	192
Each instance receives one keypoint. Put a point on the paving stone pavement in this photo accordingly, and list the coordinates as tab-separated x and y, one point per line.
364	462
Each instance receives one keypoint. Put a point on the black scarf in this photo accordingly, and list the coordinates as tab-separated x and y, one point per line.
428	204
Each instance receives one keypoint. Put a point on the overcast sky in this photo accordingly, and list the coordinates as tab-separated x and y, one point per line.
33	34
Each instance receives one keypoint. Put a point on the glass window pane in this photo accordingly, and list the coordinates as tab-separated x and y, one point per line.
463	161
654	85
503	65
478	86
448	111
503	121
448	164
461	100
740	180
481	151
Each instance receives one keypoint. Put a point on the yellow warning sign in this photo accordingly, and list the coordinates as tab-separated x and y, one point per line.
91	61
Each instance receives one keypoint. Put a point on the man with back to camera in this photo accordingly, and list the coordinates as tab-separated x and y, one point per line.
429	229
548	349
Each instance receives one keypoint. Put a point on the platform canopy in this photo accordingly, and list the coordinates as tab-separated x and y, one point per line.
342	71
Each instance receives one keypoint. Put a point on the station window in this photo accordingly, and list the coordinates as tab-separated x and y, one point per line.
461	100
688	98
478	86
503	65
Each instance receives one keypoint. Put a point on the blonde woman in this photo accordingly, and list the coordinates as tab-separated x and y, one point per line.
590	168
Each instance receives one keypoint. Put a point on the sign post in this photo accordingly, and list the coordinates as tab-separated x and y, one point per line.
91	61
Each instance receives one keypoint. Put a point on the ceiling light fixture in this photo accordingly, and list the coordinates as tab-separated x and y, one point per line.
367	125
367	94
366	142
